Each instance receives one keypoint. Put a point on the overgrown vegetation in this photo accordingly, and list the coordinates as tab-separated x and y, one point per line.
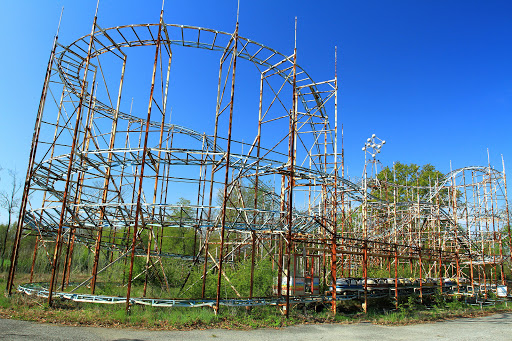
67	312
409	311
181	241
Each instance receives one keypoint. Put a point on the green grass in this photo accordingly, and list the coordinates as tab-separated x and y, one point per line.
23	307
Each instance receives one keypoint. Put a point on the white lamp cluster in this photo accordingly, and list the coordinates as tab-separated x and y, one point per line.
373	145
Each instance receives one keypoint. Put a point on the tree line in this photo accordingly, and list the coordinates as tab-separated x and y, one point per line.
10	198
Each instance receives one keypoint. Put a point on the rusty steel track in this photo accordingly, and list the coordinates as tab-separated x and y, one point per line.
103	181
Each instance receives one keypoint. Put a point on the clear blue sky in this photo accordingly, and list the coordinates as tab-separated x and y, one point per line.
432	78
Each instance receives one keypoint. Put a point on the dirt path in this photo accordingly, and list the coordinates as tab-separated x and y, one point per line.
494	327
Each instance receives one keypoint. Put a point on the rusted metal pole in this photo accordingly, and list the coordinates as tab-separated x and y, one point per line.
71	159
138	210
200	197
468	226
30	166
34	259
343	215
365	275
226	177
253	252
396	275
280	267
293	122
486	209
157	174
421	276
39	237
509	233
220	93
496	234
335	200
440	271
256	189
106	181
454	208
80	180
438	220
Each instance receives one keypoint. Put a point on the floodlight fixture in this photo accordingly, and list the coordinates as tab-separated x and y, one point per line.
373	145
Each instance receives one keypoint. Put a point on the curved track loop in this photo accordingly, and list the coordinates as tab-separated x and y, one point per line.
345	223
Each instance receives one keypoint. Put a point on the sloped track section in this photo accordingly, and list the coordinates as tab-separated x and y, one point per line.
104	184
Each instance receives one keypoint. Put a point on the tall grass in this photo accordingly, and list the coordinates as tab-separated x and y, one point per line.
29	308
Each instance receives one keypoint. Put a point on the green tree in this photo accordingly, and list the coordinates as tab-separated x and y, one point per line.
242	195
179	233
9	201
408	181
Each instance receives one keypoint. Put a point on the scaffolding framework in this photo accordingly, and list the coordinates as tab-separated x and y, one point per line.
103	179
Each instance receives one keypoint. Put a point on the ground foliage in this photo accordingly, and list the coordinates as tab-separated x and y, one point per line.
23	307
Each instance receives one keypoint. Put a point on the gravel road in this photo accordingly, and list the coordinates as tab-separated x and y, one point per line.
494	327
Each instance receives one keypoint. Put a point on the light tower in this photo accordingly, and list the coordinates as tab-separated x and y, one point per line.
372	146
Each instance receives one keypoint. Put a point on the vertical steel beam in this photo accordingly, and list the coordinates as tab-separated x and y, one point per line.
226	176
39	237
335	199
468	226
396	275
30	166
70	164
293	122
80	179
157	175
365	275
106	180
138	210
220	94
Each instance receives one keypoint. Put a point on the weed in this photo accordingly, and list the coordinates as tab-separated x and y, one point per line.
410	311
411	305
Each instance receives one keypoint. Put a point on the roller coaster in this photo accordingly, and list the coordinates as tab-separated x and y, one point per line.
103	184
